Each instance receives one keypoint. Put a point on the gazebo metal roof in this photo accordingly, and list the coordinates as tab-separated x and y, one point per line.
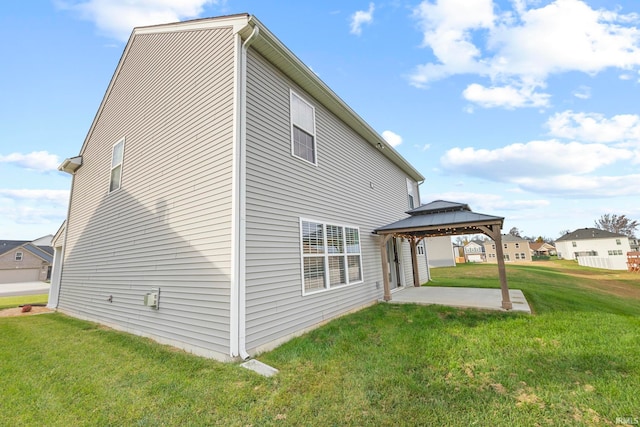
443	218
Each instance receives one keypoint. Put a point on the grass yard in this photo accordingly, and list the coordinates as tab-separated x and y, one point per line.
576	362
12	302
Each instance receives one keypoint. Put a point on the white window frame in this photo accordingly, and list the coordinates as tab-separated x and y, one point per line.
411	194
326	255
114	166
293	94
19	256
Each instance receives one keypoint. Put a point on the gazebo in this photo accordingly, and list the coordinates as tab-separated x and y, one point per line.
443	218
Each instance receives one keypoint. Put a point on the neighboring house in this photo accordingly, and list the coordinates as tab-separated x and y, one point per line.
542	249
224	198
514	248
634	244
25	261
474	251
440	253
593	247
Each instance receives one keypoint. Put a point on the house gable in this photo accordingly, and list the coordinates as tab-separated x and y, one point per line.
168	226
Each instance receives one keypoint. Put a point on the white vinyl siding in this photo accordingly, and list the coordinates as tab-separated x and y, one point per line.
117	157
330	256
303	129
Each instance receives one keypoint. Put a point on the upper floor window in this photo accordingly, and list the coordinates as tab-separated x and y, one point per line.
303	129
117	156
19	256
574	244
413	196
517	245
618	242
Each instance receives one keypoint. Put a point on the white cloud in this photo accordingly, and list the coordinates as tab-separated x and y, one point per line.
515	48
583	92
447	27
360	18
392	138
117	18
42	161
486	202
584	186
28	213
506	96
549	167
56	197
594	127
533	159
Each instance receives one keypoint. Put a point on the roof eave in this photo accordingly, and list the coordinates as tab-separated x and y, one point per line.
268	45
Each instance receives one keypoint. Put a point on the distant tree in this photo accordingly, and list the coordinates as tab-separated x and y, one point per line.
563	232
515	232
617	224
540	239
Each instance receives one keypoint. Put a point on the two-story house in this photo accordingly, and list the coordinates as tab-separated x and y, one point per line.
474	251
224	198
593	247
514	249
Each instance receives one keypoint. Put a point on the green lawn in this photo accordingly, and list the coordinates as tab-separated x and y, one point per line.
12	302
576	362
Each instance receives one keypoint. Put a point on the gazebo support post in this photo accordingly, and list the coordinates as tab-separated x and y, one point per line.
385	266
414	261
494	233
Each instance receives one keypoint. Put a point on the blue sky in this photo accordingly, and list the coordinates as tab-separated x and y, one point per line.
526	109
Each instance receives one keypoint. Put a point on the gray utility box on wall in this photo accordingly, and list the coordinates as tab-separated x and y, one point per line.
152	298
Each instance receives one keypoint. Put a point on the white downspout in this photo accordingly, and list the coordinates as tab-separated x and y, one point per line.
56	276
238	315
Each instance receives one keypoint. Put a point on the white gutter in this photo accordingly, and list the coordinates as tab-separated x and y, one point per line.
238	285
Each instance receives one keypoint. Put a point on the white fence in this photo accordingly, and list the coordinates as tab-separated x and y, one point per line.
612	263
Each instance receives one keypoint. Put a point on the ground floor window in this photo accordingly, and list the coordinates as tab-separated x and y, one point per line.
331	255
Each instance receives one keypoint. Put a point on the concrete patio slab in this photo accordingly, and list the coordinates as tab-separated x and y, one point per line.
486	299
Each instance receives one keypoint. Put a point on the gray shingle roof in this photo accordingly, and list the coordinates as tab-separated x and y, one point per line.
7	245
44	252
39	252
588	234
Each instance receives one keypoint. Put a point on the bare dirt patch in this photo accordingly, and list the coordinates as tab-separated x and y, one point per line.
16	312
